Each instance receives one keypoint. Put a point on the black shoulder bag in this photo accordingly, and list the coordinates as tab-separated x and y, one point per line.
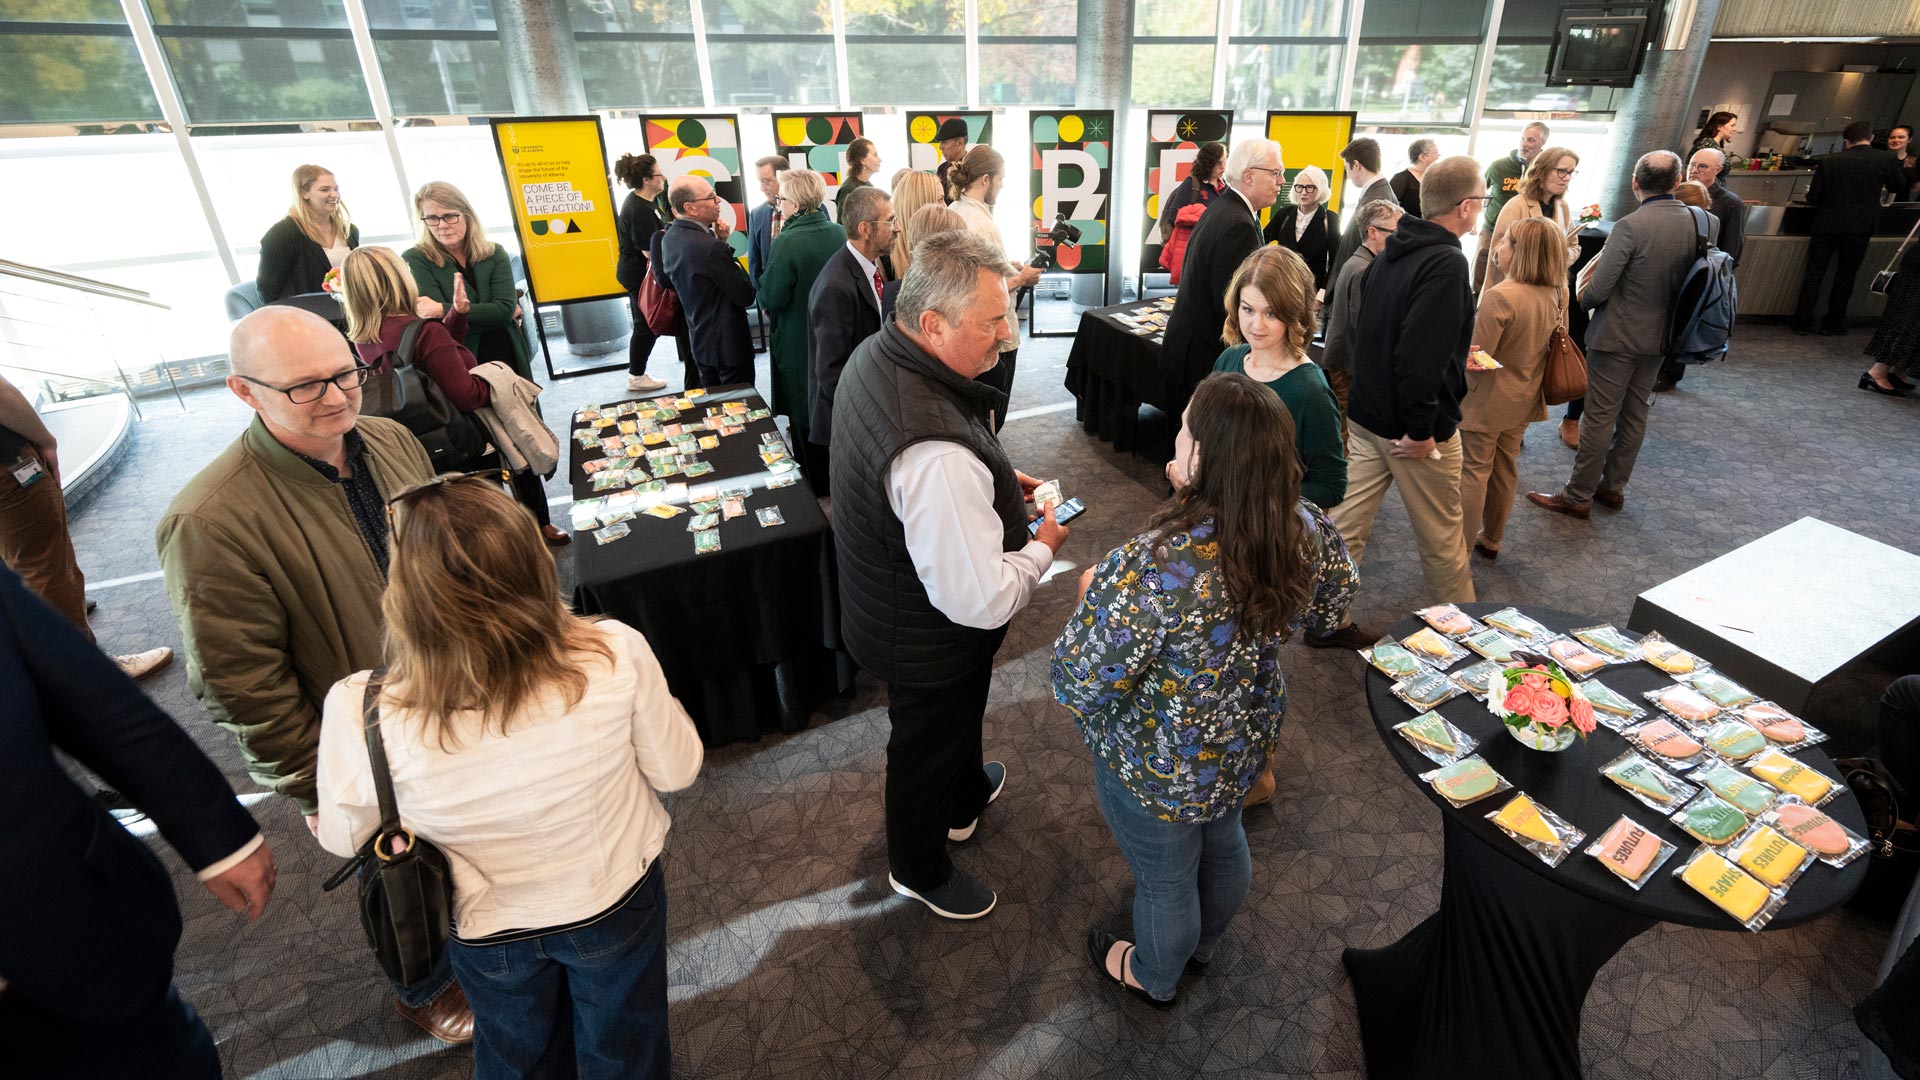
401	391
406	899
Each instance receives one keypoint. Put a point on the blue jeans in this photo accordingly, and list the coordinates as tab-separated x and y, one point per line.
589	1002
415	995
1188	881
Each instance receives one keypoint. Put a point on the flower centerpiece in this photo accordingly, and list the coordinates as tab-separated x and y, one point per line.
1589	215
331	283
1539	703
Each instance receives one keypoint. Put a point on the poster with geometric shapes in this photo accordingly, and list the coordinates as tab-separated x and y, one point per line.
705	146
563	210
923	150
1073	180
818	141
1311	139
1173	140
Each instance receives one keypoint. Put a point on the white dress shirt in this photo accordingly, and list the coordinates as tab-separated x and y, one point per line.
943	495
867	267
548	824
1302	219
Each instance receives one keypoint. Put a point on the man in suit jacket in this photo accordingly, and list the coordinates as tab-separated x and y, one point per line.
844	310
1362	159
714	291
1845	194
1631	288
763	223
86	962
1228	232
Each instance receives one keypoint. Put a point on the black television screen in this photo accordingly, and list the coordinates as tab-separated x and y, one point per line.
1598	49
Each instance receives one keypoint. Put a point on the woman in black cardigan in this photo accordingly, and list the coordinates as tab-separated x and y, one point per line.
1308	228
312	239
639	220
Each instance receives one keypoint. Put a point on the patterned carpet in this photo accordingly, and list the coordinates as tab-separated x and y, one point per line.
791	958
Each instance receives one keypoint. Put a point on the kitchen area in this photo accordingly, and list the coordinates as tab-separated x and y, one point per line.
1793	100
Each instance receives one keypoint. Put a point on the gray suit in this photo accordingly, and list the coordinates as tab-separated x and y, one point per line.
1636	279
1380	189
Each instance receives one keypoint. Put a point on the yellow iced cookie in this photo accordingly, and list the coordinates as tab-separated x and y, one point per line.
1667	656
1791	777
1428	643
1728	886
1769	856
1523	817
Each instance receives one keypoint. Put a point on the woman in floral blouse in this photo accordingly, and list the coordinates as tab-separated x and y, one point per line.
1171	667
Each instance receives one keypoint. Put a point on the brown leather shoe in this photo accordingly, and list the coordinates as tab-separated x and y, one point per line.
448	1017
1570	433
1558	504
556	536
1612	500
1263	786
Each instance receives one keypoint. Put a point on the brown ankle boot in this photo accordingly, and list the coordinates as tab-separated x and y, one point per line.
448	1017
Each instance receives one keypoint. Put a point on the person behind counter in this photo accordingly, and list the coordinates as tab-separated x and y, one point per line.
1900	142
1845	194
313	238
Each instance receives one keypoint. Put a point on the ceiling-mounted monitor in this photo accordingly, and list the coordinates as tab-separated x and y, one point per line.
1601	45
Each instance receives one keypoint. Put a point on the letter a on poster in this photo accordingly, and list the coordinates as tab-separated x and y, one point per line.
563	210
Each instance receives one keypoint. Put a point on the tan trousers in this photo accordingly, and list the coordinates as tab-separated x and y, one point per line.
1341	383
1489	476
1431	490
34	542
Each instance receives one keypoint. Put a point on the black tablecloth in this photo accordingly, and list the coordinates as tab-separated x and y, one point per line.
1491	985
748	636
1111	373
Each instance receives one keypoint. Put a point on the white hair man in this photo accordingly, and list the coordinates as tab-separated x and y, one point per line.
1227	233
934	551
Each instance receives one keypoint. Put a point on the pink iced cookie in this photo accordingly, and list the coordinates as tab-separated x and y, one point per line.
1812	828
1628	849
1662	737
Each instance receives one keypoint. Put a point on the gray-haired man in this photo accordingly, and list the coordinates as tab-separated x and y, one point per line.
935	558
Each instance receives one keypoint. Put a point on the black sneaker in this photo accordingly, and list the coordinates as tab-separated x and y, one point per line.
996	779
962	897
1350	636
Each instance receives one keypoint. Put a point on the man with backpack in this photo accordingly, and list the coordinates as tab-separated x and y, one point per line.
1632	289
275	559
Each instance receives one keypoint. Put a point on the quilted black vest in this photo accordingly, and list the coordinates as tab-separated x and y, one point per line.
891	396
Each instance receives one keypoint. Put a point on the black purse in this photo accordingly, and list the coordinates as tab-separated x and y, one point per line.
406	899
1883	281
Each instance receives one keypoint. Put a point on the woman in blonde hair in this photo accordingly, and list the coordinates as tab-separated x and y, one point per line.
313	238
933	217
1514	326
529	745
914	189
382	301
1270	305
453	244
976	180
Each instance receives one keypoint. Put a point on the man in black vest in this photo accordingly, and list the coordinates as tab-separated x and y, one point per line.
931	534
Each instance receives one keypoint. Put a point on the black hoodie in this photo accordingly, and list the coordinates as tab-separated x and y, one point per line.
1412	335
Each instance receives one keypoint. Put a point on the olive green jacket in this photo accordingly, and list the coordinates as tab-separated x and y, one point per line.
803	247
494	297
277	593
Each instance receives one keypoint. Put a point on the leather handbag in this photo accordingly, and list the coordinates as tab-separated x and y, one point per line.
406	896
659	304
1883	281
1566	374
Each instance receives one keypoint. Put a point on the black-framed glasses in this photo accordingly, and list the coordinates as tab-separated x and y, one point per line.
307	393
710	197
1568	173
1305	187
443	219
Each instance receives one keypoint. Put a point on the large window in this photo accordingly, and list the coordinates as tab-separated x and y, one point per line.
440	57
771	52
1173	46
1416	61
70	61
249	61
906	52
1285	54
1027	51
636	53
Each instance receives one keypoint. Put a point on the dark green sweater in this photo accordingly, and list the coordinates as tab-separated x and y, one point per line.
1316	426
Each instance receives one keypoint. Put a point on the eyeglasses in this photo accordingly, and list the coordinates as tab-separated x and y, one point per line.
437	220
714	197
500	475
1305	187
1566	173
1279	175
307	393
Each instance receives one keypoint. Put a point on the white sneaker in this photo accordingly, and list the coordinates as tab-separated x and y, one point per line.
644	384
138	665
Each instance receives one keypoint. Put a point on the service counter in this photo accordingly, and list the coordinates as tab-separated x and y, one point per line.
1775	259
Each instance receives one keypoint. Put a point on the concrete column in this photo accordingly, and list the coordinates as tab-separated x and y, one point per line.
543	64
1103	79
1656	113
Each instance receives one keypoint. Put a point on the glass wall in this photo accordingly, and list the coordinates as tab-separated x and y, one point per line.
1027	51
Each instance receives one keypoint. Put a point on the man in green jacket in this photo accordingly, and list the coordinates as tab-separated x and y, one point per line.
1503	182
275	557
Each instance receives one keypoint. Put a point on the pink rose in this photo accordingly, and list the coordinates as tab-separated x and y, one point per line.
1538	682
1520	700
1549	709
1582	713
1539	667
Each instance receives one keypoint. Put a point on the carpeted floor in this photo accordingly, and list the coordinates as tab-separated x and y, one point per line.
791	958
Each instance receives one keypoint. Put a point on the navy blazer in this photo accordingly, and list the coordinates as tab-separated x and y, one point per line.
89	913
714	294
842	314
1845	190
759	241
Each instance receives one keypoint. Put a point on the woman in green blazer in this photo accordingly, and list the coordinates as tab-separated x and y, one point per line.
452	241
806	241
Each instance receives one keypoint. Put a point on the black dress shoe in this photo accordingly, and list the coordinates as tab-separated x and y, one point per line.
1867	383
1661	386
1099	944
1802	331
1350	636
1898	384
92	603
1484	551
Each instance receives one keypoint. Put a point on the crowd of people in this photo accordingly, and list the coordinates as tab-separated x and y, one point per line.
340	576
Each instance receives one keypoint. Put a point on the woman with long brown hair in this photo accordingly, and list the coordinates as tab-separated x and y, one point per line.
313	238
1542	194
1171	668
454	244
529	745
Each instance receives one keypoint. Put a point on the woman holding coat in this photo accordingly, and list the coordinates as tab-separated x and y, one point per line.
454	244
806	241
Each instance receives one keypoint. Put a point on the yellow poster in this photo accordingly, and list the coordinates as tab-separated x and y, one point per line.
1311	139
563	209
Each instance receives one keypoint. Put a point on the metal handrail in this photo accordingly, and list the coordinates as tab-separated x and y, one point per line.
59	279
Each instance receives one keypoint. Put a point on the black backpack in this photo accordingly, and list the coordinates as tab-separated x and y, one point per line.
400	391
1701	321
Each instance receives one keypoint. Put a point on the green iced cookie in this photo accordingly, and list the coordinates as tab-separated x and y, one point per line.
1464	781
1492	644
1748	794
1429	729
1713	821
1737	741
1636	775
1394	660
1602	697
1724	691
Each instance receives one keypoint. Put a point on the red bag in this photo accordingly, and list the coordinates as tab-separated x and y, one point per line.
1174	251
659	306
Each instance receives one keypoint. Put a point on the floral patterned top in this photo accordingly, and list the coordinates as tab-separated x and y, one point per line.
1162	684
